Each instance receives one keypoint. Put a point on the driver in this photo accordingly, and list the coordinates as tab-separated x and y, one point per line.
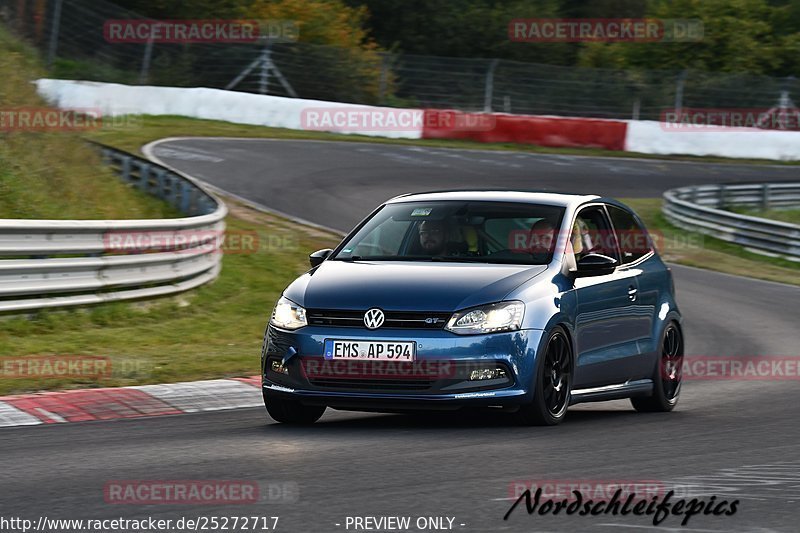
432	237
541	237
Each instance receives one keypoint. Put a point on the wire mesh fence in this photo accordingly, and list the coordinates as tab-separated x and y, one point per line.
70	33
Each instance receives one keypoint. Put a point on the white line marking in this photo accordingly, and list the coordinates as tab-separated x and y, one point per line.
10	416
52	416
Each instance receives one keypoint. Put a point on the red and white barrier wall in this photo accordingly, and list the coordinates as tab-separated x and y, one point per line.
648	137
525	129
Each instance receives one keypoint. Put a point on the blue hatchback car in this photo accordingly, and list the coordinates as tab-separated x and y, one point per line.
528	302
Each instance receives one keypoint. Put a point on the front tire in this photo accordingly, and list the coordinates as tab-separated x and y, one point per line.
552	385
292	412
668	375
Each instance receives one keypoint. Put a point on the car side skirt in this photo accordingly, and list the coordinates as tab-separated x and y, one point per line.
642	387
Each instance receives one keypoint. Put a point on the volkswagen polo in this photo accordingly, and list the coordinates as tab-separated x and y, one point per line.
521	301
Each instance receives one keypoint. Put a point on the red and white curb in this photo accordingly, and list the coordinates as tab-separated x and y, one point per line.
130	402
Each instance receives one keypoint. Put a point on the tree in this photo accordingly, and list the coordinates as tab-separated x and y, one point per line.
738	37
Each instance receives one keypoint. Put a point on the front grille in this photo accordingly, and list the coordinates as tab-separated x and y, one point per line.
394	319
373	384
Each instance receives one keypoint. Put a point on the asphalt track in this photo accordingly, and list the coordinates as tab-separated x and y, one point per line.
733	439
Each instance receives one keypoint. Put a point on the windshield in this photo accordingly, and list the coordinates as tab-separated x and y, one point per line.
480	232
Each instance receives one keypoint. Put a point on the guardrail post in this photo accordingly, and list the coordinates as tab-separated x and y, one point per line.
174	192
721	198
765	197
186	196
125	168
144	177
161	183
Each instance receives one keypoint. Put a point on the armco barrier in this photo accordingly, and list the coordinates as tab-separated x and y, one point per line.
56	263
701	209
527	129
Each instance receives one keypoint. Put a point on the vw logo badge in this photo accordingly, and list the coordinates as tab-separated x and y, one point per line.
374	319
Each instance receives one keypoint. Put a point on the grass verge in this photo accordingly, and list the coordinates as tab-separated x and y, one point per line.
791	216
53	175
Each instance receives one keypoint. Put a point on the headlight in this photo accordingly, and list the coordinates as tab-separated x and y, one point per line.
288	315
494	318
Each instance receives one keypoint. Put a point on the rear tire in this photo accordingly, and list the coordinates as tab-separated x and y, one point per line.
667	376
293	412
552	385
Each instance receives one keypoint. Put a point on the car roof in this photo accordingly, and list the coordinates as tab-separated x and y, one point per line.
532	197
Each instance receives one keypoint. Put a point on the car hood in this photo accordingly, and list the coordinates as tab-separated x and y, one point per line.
407	286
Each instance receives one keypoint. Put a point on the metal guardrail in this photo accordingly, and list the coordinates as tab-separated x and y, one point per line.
57	263
702	209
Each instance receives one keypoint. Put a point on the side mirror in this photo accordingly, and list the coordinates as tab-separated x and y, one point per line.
596	265
319	256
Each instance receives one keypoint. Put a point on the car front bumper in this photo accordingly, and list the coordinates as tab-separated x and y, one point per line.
447	387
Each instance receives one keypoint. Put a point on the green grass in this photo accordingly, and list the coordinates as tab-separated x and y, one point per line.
54	175
784	215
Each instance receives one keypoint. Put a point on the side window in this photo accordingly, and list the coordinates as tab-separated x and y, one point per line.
508	233
592	233
634	242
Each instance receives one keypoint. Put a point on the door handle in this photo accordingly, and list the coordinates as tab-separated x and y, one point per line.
632	291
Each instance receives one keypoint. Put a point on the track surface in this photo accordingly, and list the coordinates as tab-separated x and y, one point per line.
337	183
735	439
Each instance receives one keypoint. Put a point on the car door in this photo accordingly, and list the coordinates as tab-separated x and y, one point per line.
606	313
638	256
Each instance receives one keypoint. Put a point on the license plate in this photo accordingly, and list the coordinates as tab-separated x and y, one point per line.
371	350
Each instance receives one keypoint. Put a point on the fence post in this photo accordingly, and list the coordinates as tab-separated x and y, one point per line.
54	31
384	78
765	197
722	193
144	75
637	106
679	91
489	90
